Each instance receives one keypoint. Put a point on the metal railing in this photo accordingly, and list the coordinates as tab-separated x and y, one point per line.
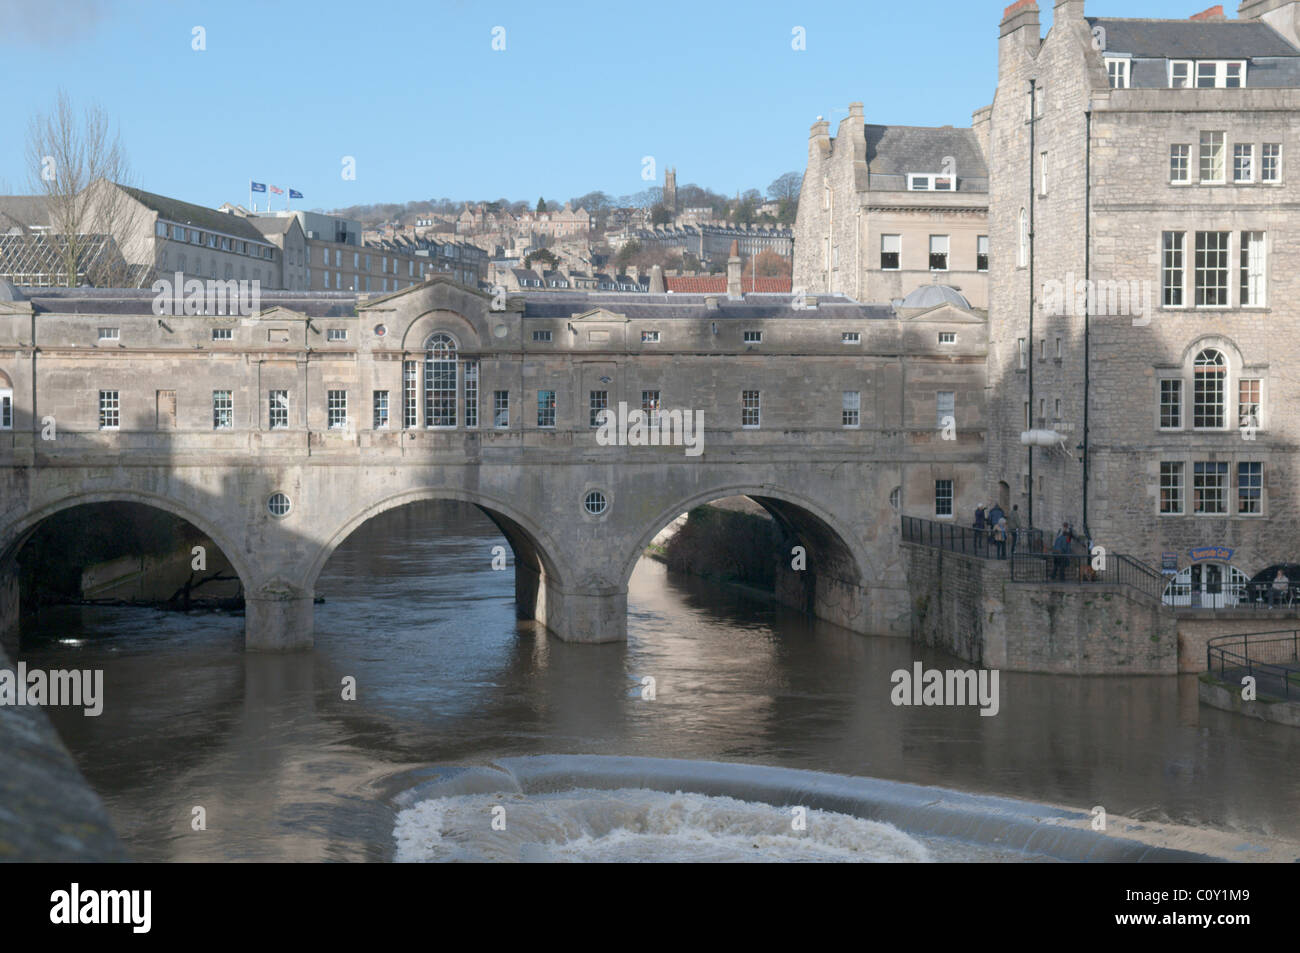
966	539
1117	569
1271	658
1249	596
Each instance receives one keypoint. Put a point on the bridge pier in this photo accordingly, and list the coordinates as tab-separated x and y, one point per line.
278	618
584	615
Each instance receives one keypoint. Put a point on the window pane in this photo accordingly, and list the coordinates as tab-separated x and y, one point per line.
1171	488
1172	271
1212	269
1210	376
440	365
1171	404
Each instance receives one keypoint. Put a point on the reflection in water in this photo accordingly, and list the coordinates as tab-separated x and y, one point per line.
286	769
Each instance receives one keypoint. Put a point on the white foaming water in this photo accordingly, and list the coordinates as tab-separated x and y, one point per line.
633	825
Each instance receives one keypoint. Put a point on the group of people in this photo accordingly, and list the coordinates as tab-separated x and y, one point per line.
996	527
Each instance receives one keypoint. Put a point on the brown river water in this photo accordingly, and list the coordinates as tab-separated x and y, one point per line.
286	769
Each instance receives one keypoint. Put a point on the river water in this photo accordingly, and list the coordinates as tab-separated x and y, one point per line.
284	768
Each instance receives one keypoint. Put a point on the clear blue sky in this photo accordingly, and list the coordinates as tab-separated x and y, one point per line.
415	92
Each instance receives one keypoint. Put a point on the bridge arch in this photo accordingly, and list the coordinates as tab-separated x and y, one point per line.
537	567
15	534
835	584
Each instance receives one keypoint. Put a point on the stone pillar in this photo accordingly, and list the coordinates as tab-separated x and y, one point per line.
278	618
586	614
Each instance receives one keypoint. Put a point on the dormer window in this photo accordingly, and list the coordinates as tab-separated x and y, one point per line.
931	182
1117	68
1207	74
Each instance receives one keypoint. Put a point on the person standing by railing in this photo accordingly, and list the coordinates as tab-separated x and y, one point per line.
1013	524
980	526
1000	536
1061	549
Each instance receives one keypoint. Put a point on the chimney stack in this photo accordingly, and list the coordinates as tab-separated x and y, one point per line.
657	281
1020	21
733	271
1213	13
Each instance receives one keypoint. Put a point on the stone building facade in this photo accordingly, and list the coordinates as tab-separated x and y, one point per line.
1159	176
885	209
823	410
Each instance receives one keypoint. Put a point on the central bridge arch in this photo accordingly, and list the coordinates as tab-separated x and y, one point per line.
539	581
835	586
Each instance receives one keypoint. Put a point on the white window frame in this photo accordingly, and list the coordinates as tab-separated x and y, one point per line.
1220	74
1178	388
110	334
850	337
1244	150
223	334
1252	286
336	334
336	409
851	410
1185	160
1222	142
751	409
6	409
649	337
223	409
945	405
752	337
1022	253
1190	80
380	410
277	400
1198	271
945	243
1177	485
501	409
1117	71
110	408
897	242
931	182
1276	178
950	496
982	251
947	337
546	414
1173	260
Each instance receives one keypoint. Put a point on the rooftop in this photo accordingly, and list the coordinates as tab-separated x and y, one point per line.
1192	39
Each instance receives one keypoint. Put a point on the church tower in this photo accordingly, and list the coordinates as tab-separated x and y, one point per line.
670	190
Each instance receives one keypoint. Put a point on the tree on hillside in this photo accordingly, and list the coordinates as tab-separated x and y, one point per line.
785	187
543	255
661	215
541	205
71	158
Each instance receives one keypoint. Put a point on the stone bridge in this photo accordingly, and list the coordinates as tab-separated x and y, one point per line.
277	434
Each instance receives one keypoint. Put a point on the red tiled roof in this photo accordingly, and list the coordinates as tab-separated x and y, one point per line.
717	284
1214	13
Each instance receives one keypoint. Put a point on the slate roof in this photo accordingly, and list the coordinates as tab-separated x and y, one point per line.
23	210
899	150
184	213
136	301
1192	39
671	306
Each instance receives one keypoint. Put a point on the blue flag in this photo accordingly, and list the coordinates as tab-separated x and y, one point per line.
257	186
295	194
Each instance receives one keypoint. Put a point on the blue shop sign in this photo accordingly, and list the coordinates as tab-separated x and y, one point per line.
1208	554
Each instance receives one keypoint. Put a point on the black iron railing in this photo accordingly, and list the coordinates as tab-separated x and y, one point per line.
1114	569
966	539
1271	658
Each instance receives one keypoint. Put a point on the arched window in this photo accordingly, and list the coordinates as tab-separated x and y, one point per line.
1209	390
440	378
1022	258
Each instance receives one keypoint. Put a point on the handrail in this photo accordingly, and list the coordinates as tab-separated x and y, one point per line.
1271	658
967	540
1117	569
